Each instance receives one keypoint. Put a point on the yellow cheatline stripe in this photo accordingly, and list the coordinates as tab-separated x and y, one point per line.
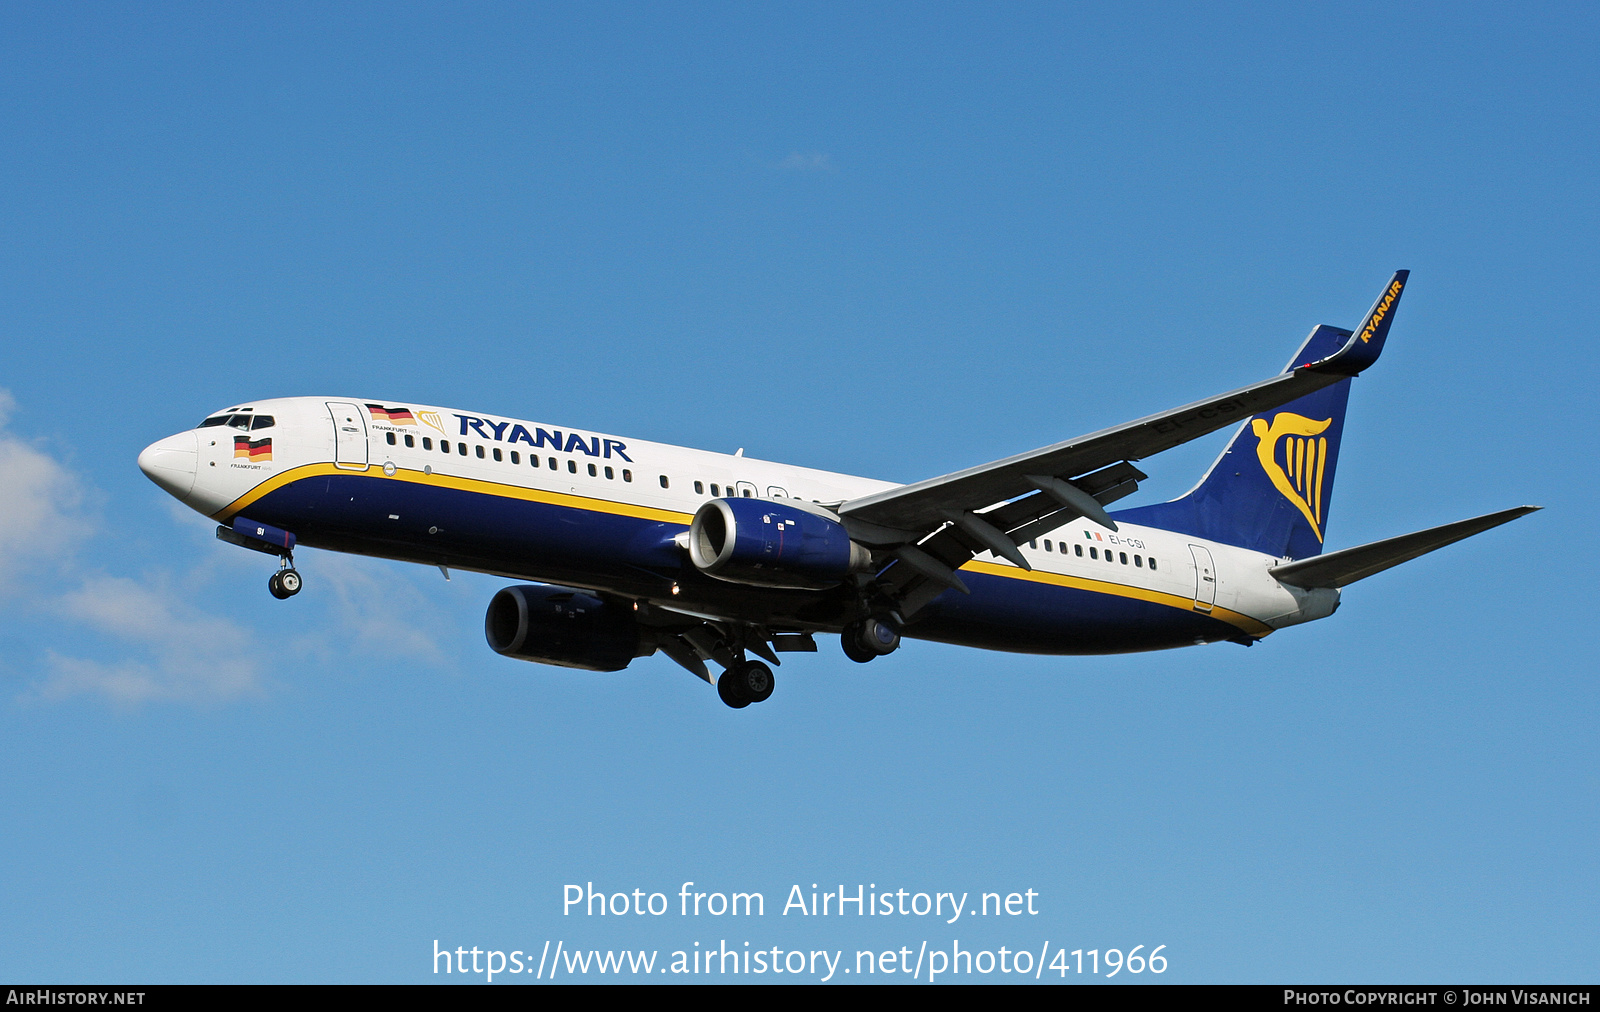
239	505
1233	618
438	480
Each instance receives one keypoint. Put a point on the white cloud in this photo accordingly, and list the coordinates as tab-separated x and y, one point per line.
183	653
149	642
377	608
197	657
39	501
187	679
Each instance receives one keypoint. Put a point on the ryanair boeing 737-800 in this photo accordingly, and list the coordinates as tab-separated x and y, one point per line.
635	547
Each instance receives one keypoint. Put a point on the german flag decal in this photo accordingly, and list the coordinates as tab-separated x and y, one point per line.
394	416
255	452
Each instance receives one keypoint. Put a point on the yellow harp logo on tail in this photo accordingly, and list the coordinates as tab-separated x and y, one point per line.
1299	475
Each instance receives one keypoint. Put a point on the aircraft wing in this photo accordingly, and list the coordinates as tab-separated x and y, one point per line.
923	505
931	528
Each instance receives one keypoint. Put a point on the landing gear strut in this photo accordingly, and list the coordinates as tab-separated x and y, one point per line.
285	583
745	683
862	641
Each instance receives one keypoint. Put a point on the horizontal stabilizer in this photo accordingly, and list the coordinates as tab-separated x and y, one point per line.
1337	569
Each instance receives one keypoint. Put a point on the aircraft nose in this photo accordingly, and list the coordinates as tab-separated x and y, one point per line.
171	463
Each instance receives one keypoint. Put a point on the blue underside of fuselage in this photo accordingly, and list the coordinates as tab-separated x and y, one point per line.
637	558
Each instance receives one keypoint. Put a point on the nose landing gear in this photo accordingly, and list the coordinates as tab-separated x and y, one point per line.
261	537
285	583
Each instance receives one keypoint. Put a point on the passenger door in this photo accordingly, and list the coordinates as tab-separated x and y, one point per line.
349	435
1205	579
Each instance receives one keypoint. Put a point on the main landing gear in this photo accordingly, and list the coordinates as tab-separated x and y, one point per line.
868	639
744	683
285	583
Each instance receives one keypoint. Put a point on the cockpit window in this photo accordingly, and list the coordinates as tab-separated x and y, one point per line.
262	422
237	420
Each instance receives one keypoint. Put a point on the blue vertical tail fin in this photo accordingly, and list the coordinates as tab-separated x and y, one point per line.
1271	490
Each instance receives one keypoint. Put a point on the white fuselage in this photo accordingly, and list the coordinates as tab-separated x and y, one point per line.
223	470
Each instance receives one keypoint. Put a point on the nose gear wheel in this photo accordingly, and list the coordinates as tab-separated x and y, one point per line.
285	583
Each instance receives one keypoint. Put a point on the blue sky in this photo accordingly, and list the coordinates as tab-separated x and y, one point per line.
892	240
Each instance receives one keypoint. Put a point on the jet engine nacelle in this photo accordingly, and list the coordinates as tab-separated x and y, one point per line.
559	625
773	544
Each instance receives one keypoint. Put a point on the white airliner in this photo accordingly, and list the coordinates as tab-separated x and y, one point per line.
636	547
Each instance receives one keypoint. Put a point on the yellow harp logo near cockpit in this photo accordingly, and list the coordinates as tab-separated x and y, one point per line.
1299	474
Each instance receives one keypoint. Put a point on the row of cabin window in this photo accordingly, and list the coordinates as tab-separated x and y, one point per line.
716	492
516	457
572	465
1094	553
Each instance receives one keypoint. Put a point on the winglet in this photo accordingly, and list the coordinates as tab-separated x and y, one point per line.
1366	344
